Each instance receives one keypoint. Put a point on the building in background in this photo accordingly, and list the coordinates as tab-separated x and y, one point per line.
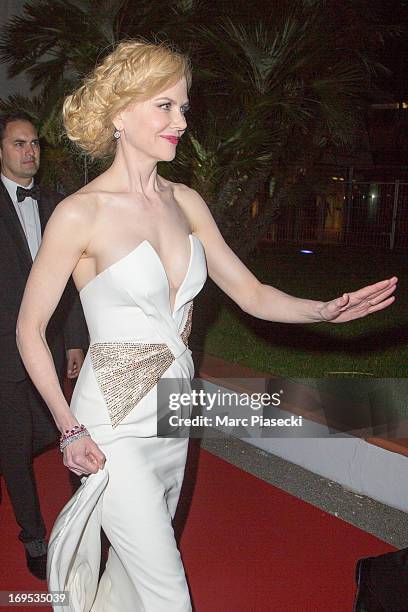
365	200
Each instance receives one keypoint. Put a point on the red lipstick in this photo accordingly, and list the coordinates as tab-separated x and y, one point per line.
173	139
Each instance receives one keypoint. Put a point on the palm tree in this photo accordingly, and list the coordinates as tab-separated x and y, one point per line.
273	88
56	41
283	93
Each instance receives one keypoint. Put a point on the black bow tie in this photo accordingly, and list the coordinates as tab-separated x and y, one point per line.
22	193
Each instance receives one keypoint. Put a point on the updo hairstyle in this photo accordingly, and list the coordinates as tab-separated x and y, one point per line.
135	71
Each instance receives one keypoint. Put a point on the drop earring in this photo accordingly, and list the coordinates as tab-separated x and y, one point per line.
116	134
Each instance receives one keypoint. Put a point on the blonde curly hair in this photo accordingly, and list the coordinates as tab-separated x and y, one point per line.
135	71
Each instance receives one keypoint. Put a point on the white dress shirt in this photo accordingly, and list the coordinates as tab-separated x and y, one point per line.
27	212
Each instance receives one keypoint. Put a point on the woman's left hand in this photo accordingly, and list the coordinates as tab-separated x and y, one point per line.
359	303
75	359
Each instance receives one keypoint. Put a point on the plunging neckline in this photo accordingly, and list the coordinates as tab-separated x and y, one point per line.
172	309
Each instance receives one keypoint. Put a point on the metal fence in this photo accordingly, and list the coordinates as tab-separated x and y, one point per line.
355	214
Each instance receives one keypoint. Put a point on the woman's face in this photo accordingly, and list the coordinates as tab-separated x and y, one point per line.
154	126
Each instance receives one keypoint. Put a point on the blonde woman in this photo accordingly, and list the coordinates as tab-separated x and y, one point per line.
138	247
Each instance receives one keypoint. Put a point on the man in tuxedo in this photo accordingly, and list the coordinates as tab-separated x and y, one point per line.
26	426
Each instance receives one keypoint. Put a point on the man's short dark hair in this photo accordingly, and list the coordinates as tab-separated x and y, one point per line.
9	118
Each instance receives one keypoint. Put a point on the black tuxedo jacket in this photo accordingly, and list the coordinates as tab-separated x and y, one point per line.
66	328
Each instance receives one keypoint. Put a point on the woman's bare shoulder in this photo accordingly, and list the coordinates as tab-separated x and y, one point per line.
79	207
187	196
193	206
78	204
197	211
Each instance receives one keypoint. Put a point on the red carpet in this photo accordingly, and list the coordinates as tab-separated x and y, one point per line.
246	545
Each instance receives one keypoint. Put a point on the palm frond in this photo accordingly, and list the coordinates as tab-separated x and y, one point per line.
273	87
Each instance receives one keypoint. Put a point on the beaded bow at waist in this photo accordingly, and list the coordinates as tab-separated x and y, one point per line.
127	371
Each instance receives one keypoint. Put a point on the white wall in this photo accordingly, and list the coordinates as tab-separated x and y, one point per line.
354	463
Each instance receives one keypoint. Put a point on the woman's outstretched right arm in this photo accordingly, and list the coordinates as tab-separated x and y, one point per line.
66	238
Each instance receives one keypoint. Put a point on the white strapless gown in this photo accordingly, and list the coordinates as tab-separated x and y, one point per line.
135	339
